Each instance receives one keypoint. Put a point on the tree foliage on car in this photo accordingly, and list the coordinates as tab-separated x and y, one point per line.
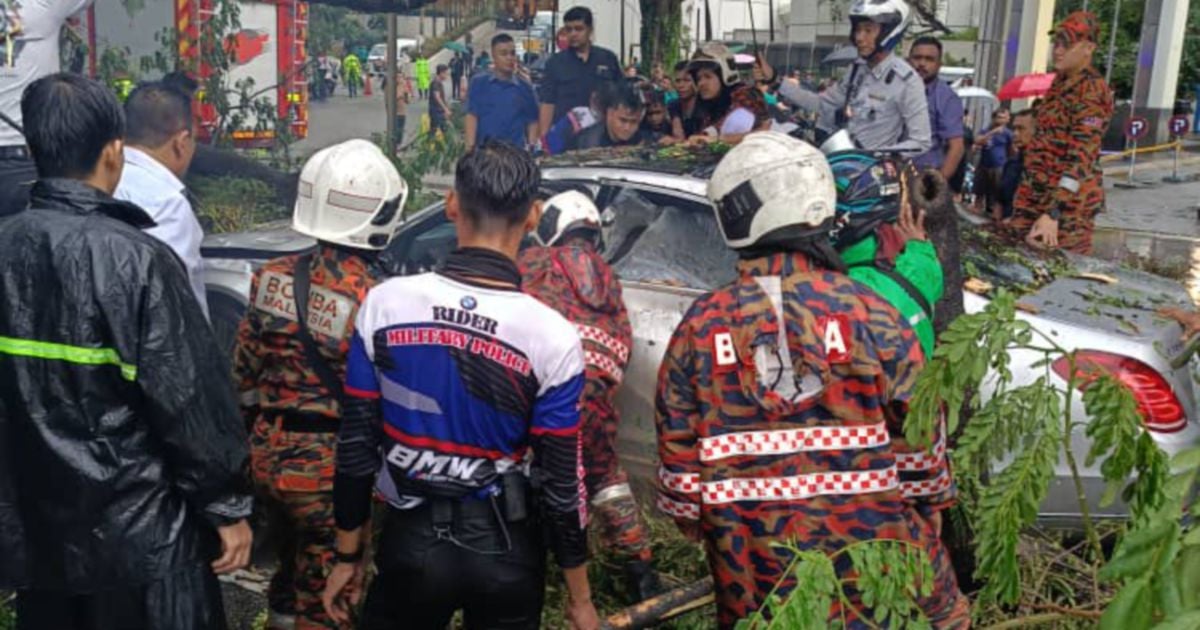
1004	462
1155	566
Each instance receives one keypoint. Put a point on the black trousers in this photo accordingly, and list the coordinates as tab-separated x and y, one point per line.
423	579
17	175
188	599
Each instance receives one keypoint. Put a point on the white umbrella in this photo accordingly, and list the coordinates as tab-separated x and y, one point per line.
972	91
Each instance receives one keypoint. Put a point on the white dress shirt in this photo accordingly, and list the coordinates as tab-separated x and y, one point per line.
150	185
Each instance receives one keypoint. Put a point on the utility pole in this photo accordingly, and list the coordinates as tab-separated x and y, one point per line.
1112	39
390	87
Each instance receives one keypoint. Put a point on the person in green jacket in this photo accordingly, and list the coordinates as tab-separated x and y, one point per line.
882	238
421	72
352	73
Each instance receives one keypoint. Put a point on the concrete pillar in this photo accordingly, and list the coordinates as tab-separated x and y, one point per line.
1161	47
1032	28
989	50
1027	41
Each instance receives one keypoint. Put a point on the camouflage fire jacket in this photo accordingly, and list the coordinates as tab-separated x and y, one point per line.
779	428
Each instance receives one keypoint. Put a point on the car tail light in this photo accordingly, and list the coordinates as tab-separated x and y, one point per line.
1156	401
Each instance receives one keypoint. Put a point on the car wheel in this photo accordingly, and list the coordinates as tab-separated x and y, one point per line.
225	314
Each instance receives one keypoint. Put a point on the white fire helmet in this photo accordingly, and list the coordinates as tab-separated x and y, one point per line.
771	188
350	194
566	212
892	16
719	55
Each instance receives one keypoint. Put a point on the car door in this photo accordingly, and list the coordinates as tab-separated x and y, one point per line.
667	249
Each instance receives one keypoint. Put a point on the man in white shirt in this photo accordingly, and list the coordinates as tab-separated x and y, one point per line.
159	146
28	51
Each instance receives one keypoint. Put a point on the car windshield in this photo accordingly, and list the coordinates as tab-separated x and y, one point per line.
378	50
651	237
661	238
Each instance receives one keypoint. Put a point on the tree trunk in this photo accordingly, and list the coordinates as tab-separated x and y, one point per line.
661	23
213	162
932	194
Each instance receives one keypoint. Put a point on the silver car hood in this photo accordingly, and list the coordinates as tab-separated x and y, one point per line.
267	241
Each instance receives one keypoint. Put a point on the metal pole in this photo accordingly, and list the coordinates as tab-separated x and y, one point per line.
1132	161
753	30
1175	167
623	34
1112	39
391	88
771	18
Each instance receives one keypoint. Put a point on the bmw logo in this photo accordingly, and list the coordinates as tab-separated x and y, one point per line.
469	303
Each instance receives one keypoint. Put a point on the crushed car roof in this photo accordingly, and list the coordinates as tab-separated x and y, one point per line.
698	161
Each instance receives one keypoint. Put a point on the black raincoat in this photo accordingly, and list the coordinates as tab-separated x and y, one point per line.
120	436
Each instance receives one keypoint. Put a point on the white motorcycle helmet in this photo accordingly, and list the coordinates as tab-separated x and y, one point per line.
564	213
772	188
350	194
718	56
892	16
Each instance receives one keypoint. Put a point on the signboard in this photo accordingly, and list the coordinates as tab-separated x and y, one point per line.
1136	128
1178	125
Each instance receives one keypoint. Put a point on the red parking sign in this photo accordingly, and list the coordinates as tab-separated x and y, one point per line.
1178	125
1136	128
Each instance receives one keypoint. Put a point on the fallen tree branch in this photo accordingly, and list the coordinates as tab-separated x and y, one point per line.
1023	622
662	607
1069	612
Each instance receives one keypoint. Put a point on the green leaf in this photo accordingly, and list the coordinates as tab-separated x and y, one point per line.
1187	621
1130	609
1168	596
1135	555
1187	573
1188	459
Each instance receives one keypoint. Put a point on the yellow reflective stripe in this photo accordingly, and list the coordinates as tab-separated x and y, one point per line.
70	354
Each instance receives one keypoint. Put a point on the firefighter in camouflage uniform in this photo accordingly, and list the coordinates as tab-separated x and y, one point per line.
569	275
289	375
1063	188
781	399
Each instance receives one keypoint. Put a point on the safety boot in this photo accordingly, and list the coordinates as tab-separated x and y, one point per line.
641	580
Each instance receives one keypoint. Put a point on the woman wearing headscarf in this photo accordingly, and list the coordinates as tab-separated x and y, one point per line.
728	109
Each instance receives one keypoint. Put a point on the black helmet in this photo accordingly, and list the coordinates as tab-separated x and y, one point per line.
868	194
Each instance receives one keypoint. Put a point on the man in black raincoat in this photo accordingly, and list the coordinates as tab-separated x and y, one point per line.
122	450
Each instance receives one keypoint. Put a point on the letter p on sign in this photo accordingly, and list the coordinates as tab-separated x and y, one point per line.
1178	126
1136	128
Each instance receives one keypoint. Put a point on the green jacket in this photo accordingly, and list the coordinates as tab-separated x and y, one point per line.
918	264
352	68
421	69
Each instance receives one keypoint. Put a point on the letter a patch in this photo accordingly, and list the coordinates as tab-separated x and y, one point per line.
724	353
836	331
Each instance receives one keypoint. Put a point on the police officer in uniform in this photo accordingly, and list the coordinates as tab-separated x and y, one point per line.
881	101
781	399
290	370
462	390
569	275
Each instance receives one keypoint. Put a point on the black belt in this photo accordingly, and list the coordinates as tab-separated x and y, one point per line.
15	152
306	423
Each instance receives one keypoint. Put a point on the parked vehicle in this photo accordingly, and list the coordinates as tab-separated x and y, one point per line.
405	49
662	239
269	49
